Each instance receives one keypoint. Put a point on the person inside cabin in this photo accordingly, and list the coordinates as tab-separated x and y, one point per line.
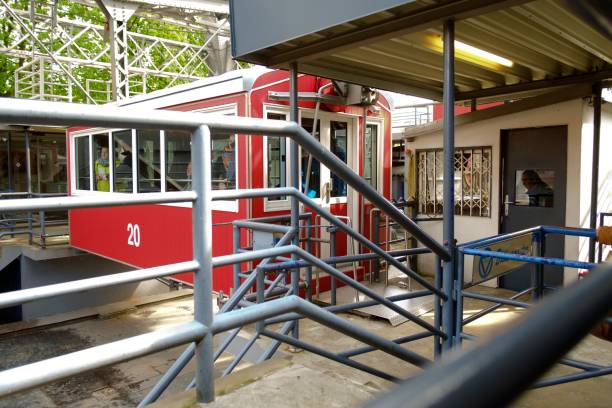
123	172
218	169
188	172
102	170
229	161
540	194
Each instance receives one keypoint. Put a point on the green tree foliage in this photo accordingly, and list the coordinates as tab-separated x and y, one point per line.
98	77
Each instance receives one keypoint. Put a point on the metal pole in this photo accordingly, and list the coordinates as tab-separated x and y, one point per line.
375	220
295	180
236	232
202	252
449	177
332	250
459	298
538	269
438	308
309	250
43	232
595	167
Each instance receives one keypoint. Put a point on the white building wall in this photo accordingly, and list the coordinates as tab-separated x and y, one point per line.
604	196
487	133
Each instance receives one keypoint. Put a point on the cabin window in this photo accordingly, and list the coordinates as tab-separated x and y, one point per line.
82	164
277	158
223	153
149	161
101	170
472	181
314	181
122	161
178	160
370	153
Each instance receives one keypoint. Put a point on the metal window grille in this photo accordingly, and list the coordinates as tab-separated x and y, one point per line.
472	181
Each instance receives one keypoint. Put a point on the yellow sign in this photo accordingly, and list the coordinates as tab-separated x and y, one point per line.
486	267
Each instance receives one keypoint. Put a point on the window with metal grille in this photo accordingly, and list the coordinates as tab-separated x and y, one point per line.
472	181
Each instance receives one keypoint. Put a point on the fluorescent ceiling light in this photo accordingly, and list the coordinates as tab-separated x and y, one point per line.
482	54
469	53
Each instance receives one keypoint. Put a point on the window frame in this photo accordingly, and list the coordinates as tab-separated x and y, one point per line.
380	154
458	176
283	204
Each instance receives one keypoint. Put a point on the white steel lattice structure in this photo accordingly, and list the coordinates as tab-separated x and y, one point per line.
69	59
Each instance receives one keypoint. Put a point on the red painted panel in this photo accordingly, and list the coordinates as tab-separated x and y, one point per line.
165	237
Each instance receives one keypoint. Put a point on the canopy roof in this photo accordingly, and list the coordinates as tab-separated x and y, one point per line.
542	43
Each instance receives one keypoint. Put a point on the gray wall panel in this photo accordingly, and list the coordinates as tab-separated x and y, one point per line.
258	24
39	273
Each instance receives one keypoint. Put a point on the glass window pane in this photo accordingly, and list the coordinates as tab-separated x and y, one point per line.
277	164
178	160
101	162
370	154
223	156
82	165
533	188
149	173
338	146
48	153
17	153
122	161
314	181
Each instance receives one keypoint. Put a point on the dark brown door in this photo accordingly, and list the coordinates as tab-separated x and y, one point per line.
534	163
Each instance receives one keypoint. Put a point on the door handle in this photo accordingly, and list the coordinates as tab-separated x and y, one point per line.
507	203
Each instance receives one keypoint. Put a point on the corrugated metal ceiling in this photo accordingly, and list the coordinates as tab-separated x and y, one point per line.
400	49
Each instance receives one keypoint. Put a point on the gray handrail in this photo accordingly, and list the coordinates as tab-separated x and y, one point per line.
495	373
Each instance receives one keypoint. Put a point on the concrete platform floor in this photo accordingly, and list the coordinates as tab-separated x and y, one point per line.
330	383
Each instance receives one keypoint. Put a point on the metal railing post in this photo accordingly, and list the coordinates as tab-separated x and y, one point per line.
332	253
236	236
459	281
43	229
309	250
202	252
295	180
375	220
438	307
449	179
30	226
538	269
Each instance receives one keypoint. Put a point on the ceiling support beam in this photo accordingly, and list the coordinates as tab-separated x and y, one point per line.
541	84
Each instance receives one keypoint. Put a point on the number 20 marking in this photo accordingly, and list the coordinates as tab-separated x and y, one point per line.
134	237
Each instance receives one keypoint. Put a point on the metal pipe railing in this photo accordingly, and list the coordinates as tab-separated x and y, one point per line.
204	325
289	191
472	378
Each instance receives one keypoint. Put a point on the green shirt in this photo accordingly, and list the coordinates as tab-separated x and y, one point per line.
99	169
